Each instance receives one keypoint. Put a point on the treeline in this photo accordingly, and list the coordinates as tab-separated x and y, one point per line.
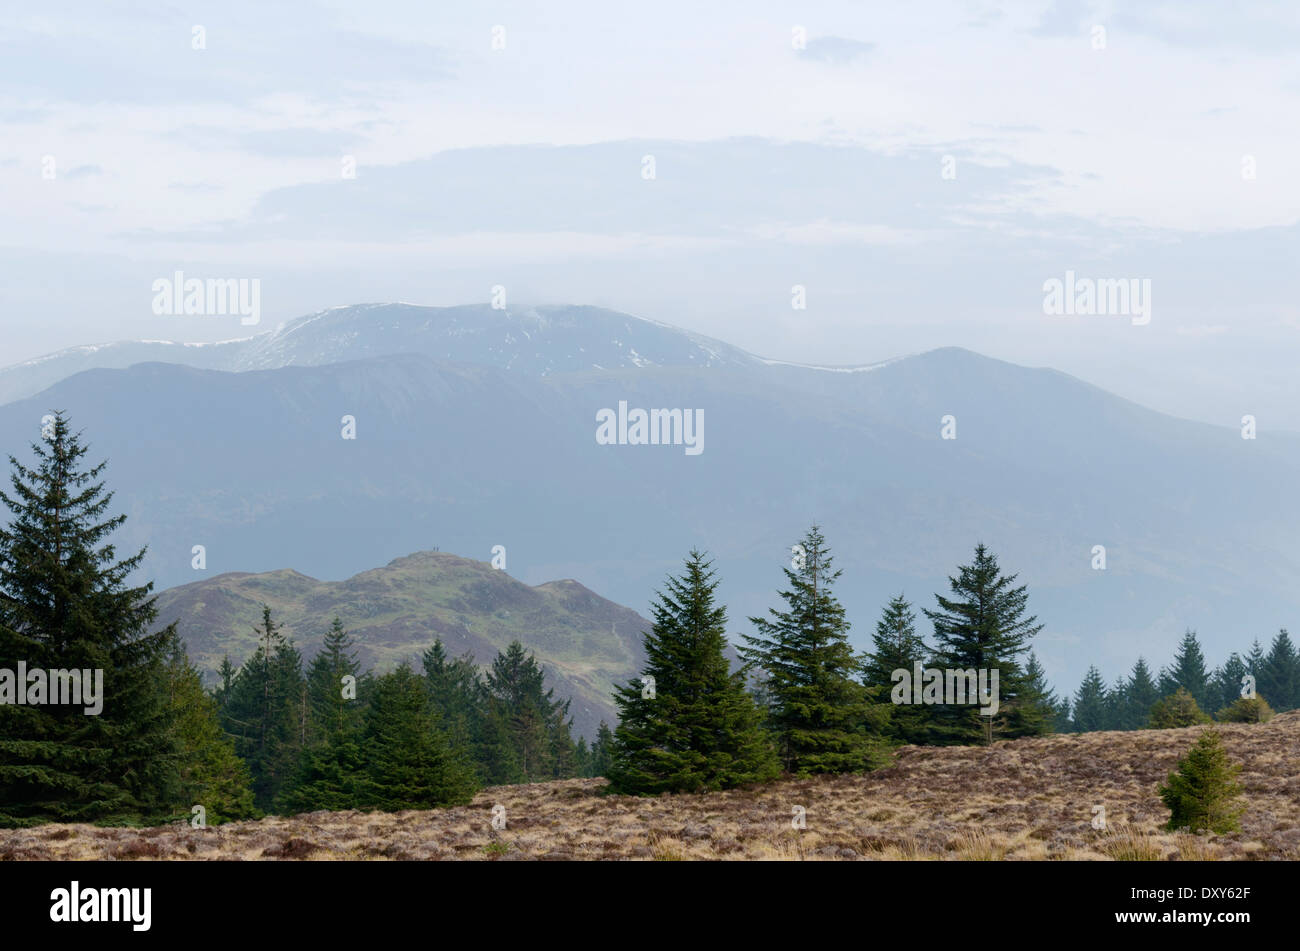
330	736
273	736
1187	692
805	702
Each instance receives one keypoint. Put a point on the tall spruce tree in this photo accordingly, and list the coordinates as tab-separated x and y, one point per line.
688	724
1034	711
823	719
897	646
264	712
1090	703
1140	695
1188	671
335	702
212	775
1227	682
460	699
981	627
65	604
598	763
409	760
529	728
1279	676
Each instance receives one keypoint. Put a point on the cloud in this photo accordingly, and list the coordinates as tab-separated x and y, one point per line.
836	50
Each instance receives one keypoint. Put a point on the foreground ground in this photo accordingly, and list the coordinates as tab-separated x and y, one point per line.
1024	799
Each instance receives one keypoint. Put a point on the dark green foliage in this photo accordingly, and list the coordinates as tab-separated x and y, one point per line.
1188	671
409	761
335	703
598	762
1064	720
211	774
266	712
822	718
1090	707
1246	710
65	604
1033	712
897	646
697	728
982	627
528	731
1226	685
1201	794
1140	695
1179	709
460	699
1279	674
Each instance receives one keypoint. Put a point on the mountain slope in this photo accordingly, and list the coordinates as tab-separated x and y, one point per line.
540	340
1201	528
585	642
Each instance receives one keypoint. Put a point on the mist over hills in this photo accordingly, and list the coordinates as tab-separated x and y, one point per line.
476	428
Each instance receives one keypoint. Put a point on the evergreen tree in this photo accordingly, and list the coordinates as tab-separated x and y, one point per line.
1227	681
65	605
409	761
897	646
1279	676
688	724
1188	671
982	627
1116	702
460	699
225	682
1246	710
335	705
1034	711
1179	709
1255	660
823	720
1202	794
1090	703
212	776
600	751
530	730
1140	695
265	712
1064	722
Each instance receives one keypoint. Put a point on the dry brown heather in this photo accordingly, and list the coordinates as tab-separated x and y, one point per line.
1022	799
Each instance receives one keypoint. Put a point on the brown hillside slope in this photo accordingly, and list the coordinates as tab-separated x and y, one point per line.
1023	799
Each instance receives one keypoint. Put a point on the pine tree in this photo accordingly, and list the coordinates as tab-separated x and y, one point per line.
1226	684
460	699
1188	671
1064	722
409	761
688	724
65	605
823	720
1090	703
334	703
531	729
264	712
600	751
212	775
1279	675
1116	703
1034	711
897	646
1141	694
982	627
1202	794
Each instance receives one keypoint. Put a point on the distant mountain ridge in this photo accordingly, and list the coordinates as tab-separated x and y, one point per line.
585	642
1201	528
539	340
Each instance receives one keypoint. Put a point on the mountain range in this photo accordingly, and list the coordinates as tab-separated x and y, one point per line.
477	428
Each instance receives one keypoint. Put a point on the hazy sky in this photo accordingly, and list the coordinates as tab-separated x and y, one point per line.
920	169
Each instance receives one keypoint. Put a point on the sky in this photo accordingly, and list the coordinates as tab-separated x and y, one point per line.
916	174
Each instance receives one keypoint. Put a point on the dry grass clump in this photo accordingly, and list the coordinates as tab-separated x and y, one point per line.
1029	799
